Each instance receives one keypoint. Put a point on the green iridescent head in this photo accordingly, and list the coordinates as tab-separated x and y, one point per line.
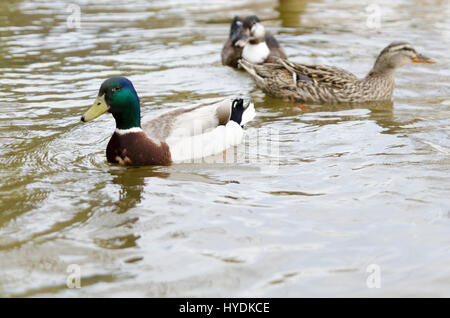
118	97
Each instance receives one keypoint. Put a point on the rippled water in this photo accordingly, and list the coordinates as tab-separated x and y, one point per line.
356	185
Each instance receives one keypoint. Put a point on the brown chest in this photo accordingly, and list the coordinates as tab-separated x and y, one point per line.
136	149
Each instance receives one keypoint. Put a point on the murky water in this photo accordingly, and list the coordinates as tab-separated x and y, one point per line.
356	185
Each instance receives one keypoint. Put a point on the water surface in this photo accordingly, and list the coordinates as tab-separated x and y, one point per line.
353	185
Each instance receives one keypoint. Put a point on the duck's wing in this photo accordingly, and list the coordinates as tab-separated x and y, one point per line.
288	75
186	121
201	130
268	73
212	142
193	120
322	75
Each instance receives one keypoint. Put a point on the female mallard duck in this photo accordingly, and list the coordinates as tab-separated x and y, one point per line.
181	134
249	40
328	84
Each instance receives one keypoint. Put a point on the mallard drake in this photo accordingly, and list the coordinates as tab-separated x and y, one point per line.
248	39
182	134
328	84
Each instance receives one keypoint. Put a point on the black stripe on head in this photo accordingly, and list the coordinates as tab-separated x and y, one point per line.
399	46
396	47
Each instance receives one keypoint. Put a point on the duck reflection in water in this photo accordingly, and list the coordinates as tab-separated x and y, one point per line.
132	182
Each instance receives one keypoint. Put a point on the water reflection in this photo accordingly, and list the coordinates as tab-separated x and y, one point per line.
379	112
291	12
132	181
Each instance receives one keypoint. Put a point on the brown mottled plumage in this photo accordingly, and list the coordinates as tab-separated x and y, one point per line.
329	84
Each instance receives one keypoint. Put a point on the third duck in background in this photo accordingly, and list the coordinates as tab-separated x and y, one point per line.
249	40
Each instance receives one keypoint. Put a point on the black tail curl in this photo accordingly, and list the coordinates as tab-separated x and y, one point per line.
237	110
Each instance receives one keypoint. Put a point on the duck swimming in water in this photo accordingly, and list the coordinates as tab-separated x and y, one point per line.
329	84
182	134
231	52
248	39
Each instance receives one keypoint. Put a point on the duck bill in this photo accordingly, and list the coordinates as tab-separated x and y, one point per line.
242	41
99	107
423	59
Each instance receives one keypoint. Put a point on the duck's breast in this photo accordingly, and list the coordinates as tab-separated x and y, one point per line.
132	147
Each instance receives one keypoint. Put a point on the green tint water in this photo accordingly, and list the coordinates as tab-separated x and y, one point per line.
355	185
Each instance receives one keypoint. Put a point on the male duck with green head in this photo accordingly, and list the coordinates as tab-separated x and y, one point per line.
182	134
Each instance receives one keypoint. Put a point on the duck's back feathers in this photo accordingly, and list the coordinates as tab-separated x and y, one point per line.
200	130
188	121
321	74
307	83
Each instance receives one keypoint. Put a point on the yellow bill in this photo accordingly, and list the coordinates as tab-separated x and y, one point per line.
99	107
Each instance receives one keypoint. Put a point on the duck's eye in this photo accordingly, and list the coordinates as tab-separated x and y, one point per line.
116	89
